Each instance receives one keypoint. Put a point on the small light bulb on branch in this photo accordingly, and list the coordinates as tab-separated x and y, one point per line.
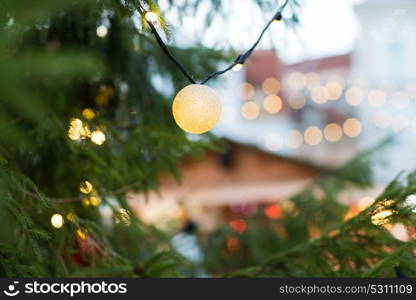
98	137
57	221
85	187
237	67
196	108
151	16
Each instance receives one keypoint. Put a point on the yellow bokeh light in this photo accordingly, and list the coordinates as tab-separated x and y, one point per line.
85	187
75	128
57	221
382	217
313	135
250	110
88	113
296	100
382	119
151	16
333	132
95	200
333	90
81	234
296	81
273	142
271	86
98	137
400	100
376	97
272	104
70	217
354	96
352	127
318	95
294	139
247	91
86	201
400	122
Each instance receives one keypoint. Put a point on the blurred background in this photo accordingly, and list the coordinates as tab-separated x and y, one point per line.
310	98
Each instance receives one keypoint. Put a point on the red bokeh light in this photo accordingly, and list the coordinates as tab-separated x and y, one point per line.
273	211
238	225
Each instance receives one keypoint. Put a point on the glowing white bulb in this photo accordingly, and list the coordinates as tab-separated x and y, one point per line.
237	67
151	16
57	221
196	108
102	31
98	137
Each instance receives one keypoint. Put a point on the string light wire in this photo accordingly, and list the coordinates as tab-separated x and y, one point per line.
240	60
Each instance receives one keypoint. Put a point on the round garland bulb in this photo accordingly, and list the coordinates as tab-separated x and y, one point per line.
196	108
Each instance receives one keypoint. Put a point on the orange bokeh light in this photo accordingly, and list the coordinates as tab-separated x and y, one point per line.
273	211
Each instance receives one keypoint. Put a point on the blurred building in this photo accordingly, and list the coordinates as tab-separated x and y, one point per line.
242	175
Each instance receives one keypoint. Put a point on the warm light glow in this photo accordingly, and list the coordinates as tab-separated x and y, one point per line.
296	100
77	130
296	81
273	211
376	97
81	234
70	217
238	225
271	86
247	91
400	122
196	108
250	110
272	104
313	135
333	132
85	187
98	137
382	217
365	202
312	79
151	16
333	90
354	96
102	31
400	100
57	221
237	67
95	200
88	113
352	127
382	118
273	142
294	139
318	95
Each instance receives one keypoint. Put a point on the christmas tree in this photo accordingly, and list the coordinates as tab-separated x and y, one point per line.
85	117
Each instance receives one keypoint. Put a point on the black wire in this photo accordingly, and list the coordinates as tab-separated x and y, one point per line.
239	60
165	48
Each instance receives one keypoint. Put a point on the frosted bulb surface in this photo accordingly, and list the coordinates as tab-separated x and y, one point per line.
196	108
